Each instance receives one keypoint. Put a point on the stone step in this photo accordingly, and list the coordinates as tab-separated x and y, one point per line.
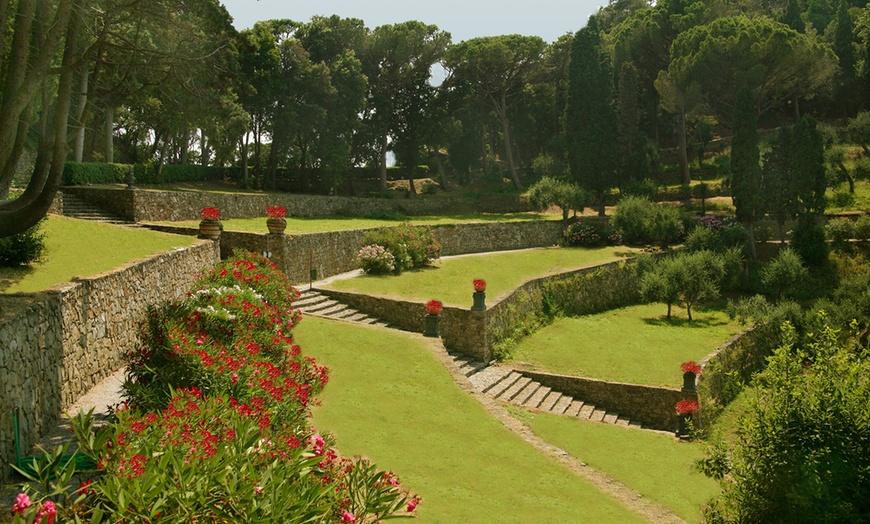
497	389
515	388
561	404
534	401
526	393
314	303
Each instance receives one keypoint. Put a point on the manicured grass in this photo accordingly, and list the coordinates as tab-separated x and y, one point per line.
301	226
655	465
391	400
85	248
450	280
634	344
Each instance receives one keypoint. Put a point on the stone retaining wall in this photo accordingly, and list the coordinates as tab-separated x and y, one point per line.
169	206
56	345
334	253
651	406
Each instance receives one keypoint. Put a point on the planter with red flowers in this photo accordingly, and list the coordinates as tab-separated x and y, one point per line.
433	318
275	220
479	295
691	370
686	410
210	227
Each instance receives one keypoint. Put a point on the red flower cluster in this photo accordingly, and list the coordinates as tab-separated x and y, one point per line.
686	407
691	367
479	285
210	213
433	307
276	211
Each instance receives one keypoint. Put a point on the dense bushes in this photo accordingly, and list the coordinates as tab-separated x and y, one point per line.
641	221
217	428
102	173
591	232
397	249
24	248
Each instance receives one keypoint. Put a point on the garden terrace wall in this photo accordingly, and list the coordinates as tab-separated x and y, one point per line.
169	206
57	344
651	406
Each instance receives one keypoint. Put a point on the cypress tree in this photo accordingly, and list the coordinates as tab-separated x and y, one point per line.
745	166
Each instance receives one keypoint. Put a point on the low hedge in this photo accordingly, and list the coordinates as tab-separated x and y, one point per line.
77	174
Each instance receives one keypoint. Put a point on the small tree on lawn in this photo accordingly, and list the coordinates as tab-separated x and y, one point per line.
690	278
784	272
549	191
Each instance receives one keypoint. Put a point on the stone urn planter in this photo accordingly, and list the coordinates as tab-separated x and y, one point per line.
686	410
433	319
210	229
479	296
276	225
690	370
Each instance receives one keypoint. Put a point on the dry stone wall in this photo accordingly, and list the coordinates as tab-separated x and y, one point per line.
58	344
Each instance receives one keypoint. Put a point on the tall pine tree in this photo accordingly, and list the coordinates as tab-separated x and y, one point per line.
745	166
591	127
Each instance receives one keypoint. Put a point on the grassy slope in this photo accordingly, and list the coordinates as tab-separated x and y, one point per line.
450	280
657	466
85	248
634	344
299	226
391	400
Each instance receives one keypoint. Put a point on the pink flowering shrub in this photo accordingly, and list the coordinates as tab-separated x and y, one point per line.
216	427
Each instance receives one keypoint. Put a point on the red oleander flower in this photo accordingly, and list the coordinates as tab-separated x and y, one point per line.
433	307
276	212
686	407
210	213
691	367
479	285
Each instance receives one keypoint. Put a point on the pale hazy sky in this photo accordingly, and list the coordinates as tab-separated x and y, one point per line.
466	19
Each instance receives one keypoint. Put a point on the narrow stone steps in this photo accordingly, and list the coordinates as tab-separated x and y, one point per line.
311	302
75	207
508	385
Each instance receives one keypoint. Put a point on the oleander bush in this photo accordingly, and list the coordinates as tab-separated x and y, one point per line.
411	247
216	425
591	232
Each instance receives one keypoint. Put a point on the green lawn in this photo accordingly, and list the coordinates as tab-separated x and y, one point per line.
635	344
301	226
450	280
85	248
655	465
391	400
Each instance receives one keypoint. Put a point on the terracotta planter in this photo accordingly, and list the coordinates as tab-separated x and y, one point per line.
210	229
276	225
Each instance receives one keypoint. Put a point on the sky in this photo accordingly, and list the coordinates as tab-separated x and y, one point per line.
463	19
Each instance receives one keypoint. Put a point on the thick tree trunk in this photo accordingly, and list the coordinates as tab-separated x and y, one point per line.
32	206
847	176
685	178
750	230
82	101
203	145
184	147
383	166
505	128
243	149
109	133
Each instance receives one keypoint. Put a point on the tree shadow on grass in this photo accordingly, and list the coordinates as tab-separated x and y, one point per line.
699	321
11	276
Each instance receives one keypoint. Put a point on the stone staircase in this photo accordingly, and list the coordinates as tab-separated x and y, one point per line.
75	207
508	385
312	302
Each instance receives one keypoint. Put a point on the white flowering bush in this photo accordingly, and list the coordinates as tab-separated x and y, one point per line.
376	260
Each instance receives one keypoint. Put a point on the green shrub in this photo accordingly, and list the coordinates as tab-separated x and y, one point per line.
808	239
548	192
862	228
24	248
641	221
591	232
640	188
841	199
840	231
83	173
147	173
703	238
763	233
784	272
429	188
411	247
734	234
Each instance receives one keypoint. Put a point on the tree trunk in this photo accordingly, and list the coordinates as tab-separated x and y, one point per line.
685	178
601	206
383	166
243	149
203	146
485	161
32	206
847	176
109	131
505	128
184	147
442	176
750	230
79	148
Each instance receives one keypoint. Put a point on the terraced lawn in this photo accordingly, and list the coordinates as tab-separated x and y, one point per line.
635	344
391	400
85	248
657	466
299	226
449	280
